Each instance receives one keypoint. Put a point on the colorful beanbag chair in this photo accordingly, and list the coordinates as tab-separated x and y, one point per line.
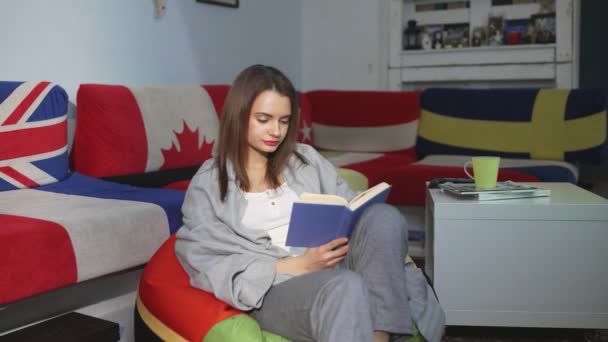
169	309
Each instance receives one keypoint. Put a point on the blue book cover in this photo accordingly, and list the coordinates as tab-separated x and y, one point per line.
318	219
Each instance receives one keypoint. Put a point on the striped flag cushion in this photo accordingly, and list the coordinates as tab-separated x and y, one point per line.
33	134
364	121
554	124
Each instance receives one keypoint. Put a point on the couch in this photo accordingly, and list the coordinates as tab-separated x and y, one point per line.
60	228
403	138
135	149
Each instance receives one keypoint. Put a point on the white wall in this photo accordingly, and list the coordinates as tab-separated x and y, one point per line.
345	44
120	41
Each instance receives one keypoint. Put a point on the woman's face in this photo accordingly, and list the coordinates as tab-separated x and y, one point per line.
268	122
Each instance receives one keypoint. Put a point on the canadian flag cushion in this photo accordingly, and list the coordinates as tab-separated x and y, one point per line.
131	130
33	134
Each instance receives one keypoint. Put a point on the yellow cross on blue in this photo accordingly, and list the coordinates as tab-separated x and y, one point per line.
547	136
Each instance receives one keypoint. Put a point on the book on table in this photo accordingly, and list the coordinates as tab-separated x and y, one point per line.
503	190
317	219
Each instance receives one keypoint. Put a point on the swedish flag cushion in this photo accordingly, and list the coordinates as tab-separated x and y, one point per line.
552	124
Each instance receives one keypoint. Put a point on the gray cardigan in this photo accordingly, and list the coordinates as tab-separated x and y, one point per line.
238	265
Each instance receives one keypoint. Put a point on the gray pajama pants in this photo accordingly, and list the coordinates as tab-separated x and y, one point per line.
366	292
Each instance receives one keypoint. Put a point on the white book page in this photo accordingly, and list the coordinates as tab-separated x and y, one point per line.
367	194
321	199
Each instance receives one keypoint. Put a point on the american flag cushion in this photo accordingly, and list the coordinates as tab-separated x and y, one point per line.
33	134
365	121
371	132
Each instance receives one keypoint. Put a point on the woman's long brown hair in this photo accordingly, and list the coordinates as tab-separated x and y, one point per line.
233	145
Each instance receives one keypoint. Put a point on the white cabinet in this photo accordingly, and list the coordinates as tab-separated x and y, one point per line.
532	262
532	65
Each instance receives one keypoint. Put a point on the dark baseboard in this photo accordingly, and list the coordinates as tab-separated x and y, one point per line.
67	299
71	327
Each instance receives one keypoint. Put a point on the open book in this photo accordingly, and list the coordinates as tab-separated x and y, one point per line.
317	219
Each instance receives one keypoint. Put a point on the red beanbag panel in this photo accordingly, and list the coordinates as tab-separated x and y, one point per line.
165	291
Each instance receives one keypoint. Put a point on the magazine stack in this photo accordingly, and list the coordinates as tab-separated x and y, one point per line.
503	190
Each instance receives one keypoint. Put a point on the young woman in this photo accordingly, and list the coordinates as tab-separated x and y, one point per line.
236	215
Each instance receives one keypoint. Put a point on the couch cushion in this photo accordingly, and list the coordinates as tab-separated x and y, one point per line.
35	256
85	226
552	124
131	130
33	134
152	136
365	121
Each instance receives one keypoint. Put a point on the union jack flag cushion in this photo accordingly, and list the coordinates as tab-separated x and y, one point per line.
33	134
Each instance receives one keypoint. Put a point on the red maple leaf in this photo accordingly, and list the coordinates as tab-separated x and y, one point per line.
189	153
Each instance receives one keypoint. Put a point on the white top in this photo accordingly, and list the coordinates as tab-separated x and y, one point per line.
270	211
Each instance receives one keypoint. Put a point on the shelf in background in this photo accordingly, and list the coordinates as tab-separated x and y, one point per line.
484	55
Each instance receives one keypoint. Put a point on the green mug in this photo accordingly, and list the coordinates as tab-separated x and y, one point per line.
485	171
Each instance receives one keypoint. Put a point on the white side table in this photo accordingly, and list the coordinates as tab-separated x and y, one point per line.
536	262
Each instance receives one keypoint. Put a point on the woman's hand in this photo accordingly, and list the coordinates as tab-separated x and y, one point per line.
315	259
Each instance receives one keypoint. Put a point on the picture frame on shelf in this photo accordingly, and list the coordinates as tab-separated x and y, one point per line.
456	35
225	3
544	25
